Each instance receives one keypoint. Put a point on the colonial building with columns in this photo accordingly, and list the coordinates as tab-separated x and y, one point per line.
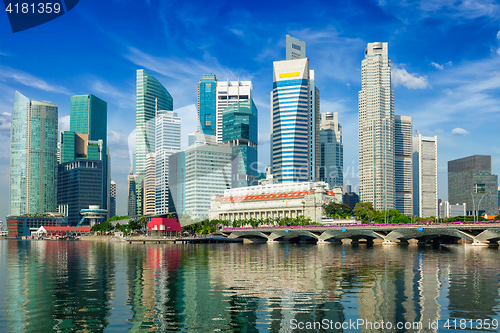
275	200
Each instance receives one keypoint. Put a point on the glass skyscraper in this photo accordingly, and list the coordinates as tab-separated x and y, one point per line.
240	131
207	104
33	157
331	150
151	97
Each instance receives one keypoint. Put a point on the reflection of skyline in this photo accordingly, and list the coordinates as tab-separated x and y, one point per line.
74	285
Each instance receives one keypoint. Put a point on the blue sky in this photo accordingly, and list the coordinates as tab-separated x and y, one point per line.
445	65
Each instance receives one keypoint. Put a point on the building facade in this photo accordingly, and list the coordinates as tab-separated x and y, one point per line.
151	96
88	115
331	168
33	157
240	132
274	201
131	196
150	185
228	93
79	185
177	182
168	142
23	226
403	164
470	181
112	199
295	151
207	99
207	173
425	176
376	129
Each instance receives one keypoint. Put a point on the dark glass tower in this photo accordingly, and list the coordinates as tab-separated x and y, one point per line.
207	94
240	131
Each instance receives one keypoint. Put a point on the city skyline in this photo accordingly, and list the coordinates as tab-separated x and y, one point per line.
447	86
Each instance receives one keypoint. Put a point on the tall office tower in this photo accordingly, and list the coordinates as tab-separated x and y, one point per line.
228	93
168	142
331	168
376	128
470	181
88	115
112	199
240	132
295	48
131	196
403	164
207	100
425	176
177	182
33	157
80	174
209	174
499	200
151	96
294	122
149	185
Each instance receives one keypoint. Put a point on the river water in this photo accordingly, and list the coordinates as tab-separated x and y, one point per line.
87	286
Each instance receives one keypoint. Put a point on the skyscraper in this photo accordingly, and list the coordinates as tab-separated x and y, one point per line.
470	181
151	96
177	182
149	185
376	129
331	150
131	196
207	104
168	142
425	176
403	164
112	199
240	132
295	48
294	121
33	157
228	93
88	115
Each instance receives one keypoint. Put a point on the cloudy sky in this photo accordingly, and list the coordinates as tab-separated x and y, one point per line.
445	65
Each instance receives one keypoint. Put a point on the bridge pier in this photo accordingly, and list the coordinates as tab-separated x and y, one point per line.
387	242
481	243
271	241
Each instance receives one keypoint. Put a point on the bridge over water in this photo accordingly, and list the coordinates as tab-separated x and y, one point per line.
482	234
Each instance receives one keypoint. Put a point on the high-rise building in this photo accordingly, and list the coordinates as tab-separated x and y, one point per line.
376	129
207	173
425	176
177	182
207	99
112	199
331	168
131	196
499	200
295	152
151	97
403	164
168	142
228	93
88	115
149	185
33	157
470	181
240	132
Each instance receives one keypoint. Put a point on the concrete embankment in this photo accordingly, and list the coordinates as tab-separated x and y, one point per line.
102	238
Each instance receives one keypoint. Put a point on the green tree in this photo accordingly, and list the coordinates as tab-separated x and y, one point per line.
364	211
338	210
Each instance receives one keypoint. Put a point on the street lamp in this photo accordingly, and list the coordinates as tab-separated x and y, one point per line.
369	216
473	206
479	205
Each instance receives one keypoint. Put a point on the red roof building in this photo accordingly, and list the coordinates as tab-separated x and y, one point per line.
163	227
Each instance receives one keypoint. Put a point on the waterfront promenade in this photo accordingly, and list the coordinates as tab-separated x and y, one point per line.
478	233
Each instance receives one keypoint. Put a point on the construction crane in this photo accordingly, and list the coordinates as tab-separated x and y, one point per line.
74	231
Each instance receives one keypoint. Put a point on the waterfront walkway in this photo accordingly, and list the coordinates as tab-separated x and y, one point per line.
479	233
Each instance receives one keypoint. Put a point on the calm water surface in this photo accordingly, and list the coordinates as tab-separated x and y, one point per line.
85	286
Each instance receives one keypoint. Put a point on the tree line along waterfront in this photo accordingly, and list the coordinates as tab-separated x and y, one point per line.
363	212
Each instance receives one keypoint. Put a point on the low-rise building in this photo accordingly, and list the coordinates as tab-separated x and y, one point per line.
19	226
306	199
45	231
164	227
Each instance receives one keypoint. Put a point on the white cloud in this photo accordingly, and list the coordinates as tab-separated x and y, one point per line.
400	77
498	51
11	74
5	120
498	35
237	32
64	123
438	66
459	131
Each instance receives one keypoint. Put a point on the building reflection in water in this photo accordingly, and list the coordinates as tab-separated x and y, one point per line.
93	286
